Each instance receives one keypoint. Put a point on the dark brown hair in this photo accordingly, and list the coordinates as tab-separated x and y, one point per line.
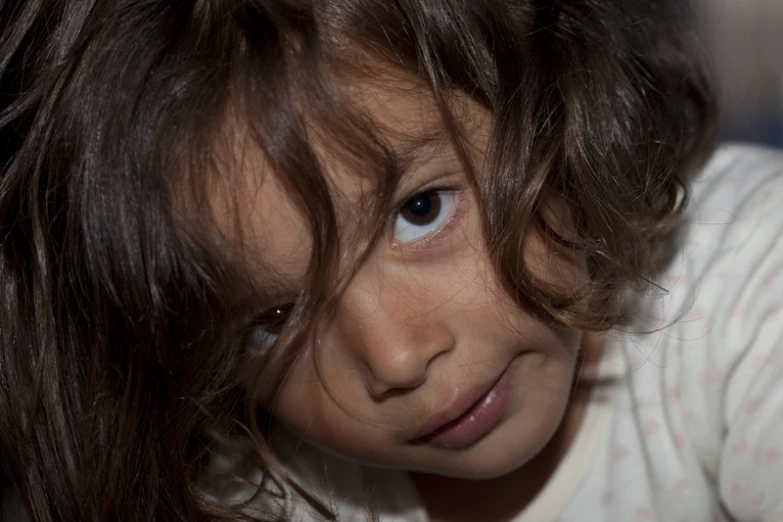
118	349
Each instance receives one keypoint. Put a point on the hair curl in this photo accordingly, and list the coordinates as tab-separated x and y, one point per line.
118	359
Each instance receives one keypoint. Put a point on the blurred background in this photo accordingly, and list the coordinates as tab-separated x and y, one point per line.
745	41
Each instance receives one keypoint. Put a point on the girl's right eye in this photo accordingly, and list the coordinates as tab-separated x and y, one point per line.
264	334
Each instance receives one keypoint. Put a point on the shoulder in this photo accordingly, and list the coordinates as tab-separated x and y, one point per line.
713	314
718	301
730	251
731	245
732	255
730	335
704	350
738	193
739	167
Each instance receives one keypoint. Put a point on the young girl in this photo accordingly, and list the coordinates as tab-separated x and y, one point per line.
405	260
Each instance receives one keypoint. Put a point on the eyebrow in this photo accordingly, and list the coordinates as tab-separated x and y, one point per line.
416	150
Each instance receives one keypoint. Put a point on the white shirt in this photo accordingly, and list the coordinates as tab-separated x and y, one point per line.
691	430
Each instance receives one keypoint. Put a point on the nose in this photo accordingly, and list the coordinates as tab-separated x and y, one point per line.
394	333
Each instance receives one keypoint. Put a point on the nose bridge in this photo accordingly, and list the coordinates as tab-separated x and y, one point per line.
394	328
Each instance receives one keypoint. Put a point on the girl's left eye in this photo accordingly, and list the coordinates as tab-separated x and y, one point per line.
266	331
423	214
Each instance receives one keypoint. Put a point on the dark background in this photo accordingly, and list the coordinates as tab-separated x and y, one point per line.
744	39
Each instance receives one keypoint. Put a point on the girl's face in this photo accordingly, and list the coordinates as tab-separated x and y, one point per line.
425	364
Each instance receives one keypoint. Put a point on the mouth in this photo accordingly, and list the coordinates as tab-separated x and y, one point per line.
470	418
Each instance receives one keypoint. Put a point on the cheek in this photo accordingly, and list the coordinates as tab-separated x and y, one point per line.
304	405
471	268
327	406
483	303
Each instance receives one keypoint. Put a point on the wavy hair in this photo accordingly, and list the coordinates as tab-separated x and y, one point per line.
120	309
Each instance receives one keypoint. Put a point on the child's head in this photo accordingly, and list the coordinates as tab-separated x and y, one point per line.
359	214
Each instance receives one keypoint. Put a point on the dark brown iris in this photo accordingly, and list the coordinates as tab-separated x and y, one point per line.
274	319
422	209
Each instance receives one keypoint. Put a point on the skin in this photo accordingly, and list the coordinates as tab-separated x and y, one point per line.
419	325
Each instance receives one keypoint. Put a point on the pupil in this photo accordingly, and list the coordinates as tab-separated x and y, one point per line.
422	209
421	206
274	319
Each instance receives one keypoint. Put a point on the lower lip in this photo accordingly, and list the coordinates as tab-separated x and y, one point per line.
476	422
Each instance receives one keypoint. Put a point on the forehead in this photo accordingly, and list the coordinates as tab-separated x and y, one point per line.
403	109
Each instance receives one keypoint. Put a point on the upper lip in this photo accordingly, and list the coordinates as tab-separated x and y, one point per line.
456	409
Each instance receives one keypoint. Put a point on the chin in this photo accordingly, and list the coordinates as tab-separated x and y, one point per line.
480	470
